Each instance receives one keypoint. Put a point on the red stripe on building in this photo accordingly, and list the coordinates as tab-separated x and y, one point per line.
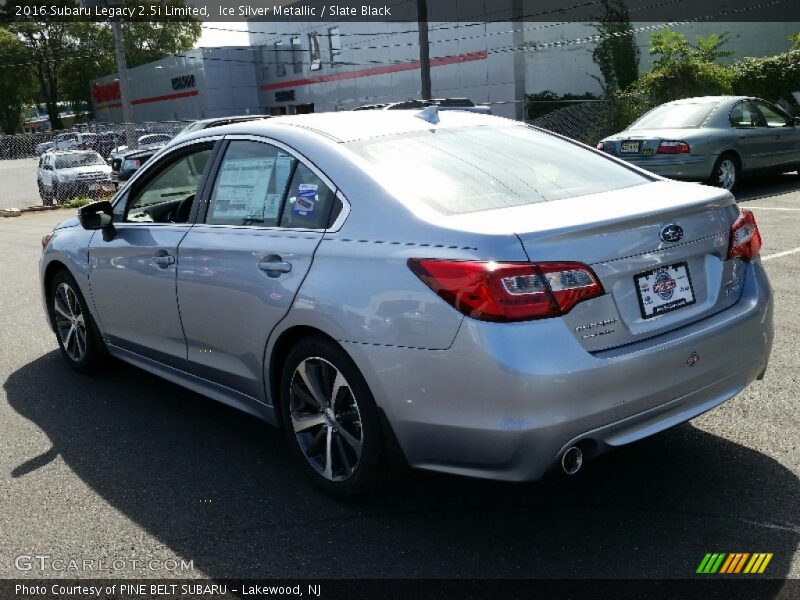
167	97
153	99
408	66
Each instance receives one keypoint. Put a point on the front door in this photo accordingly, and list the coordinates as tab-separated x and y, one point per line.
240	269
783	135
133	275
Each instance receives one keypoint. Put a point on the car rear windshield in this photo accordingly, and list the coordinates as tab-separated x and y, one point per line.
676	116
79	159
471	169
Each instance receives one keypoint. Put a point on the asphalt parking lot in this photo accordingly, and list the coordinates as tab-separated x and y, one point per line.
125	465
18	179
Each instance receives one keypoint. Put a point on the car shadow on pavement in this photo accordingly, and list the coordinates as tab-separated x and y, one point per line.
763	186
220	488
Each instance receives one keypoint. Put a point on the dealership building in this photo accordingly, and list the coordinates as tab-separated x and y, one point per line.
291	68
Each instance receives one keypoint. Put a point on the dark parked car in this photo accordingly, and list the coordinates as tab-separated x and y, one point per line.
130	163
124	165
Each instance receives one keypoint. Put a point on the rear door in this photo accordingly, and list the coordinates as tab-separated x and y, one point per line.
240	268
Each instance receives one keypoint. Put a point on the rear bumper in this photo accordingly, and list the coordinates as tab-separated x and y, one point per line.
692	168
506	399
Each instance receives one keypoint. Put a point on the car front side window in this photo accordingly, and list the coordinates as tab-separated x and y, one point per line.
772	117
167	195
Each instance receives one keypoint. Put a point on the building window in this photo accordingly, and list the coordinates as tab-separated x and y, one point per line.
335	43
280	66
315	58
297	55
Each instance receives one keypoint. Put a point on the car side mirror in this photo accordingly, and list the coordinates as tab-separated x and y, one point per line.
97	215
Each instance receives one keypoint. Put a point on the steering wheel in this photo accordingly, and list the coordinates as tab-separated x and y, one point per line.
180	212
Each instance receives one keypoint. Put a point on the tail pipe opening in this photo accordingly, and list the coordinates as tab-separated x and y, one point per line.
572	460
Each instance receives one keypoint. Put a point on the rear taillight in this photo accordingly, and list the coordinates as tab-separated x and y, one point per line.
668	147
745	238
508	291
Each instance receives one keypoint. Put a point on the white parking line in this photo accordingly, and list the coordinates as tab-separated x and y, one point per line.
779	254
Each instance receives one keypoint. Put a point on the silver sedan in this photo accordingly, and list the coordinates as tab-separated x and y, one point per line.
459	292
713	139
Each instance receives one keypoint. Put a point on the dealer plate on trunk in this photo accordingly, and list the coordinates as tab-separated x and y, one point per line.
630	147
664	289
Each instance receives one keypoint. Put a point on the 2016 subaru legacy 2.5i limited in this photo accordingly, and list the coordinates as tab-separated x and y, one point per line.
462	291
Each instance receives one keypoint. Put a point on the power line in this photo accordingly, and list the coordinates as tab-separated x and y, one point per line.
528	47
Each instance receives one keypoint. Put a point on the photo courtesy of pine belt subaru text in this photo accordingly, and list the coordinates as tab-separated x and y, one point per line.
452	290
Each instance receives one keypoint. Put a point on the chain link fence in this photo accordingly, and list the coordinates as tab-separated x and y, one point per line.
102	137
588	121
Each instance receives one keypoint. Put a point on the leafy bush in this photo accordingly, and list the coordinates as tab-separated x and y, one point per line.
770	77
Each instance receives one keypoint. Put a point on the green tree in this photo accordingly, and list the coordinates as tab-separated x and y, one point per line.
616	55
66	57
18	87
47	44
673	48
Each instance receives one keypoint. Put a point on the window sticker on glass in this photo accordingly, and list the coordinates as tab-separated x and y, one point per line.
241	192
306	197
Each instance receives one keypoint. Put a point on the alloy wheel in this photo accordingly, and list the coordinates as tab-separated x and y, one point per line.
70	322
726	174
326	419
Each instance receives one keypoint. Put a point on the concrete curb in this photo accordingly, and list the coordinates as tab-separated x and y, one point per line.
15	212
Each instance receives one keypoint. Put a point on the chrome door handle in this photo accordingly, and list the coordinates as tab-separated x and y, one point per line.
274	266
164	260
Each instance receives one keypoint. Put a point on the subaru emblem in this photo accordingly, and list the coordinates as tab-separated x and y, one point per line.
671	233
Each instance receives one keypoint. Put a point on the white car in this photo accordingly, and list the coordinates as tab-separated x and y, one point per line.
66	141
70	174
143	143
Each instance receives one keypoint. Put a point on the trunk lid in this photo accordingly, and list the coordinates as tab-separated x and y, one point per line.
643	142
618	234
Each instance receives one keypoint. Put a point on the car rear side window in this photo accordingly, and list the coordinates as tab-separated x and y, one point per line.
310	203
251	184
744	115
470	169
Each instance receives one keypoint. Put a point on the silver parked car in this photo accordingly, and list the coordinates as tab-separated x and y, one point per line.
465	292
713	139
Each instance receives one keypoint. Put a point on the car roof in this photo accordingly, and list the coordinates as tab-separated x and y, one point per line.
704	99
348	126
134	153
74	151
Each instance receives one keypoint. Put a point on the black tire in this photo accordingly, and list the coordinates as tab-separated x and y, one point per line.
349	475
47	200
85	357
727	166
57	196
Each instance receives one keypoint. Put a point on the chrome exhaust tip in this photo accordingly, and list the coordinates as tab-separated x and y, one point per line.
572	460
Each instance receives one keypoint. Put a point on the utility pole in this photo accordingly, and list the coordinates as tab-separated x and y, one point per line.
124	89
424	49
